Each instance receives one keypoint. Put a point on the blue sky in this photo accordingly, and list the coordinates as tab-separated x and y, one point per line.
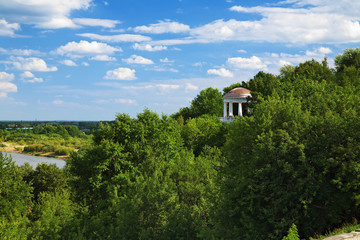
93	59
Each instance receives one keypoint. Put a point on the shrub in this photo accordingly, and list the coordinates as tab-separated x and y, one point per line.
34	148
62	151
292	234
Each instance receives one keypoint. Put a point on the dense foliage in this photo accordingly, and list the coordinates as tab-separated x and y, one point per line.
289	168
56	139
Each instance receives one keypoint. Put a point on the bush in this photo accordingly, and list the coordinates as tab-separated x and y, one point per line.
3	145
292	234
34	148
63	151
18	149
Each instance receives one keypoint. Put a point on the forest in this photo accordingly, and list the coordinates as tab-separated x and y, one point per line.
288	169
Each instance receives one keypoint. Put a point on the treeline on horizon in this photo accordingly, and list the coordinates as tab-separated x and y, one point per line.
293	160
81	125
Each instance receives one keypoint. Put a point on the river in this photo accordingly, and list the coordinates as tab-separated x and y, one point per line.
21	159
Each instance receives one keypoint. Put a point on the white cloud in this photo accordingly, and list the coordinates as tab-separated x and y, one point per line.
191	87
5	85
148	47
163	27
69	63
85	64
303	22
134	59
121	74
6	77
86	48
166	60
116	38
8	29
249	63
31	64
125	101
166	87
58	102
27	74
95	22
44	14
325	50
21	52
104	58
319	52
29	77
324	22
222	72
163	69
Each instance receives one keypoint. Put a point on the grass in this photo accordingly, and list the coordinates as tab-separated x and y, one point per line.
346	228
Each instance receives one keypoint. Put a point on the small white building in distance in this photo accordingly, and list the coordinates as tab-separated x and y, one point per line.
233	101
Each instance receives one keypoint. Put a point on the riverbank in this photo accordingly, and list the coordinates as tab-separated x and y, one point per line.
10	147
21	159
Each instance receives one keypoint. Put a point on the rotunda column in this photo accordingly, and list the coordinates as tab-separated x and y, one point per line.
240	109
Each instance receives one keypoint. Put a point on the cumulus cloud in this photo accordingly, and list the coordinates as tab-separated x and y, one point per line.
104	58
8	29
303	22
95	22
69	63
191	87
29	77
116	38
324	21
31	64
5	85
20	52
125	101
163	69
321	51
222	72
44	14
121	74
86	48
166	87
163	27
134	59
250	63
148	47
6	77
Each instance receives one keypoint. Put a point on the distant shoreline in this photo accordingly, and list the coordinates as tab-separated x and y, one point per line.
20	159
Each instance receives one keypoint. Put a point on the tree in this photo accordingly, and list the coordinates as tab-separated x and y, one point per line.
139	182
350	57
15	201
46	178
208	101
202	131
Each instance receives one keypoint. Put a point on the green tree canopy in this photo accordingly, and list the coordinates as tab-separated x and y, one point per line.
208	101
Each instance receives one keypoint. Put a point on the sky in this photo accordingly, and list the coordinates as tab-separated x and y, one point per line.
93	59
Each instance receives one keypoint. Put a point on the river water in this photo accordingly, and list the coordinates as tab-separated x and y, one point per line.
21	159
